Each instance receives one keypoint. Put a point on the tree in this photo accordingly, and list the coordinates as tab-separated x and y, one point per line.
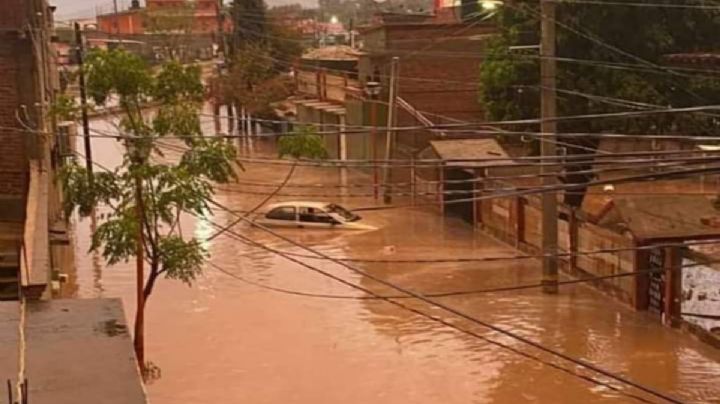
146	194
509	81
304	142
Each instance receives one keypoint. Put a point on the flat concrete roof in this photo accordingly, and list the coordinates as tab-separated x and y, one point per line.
77	352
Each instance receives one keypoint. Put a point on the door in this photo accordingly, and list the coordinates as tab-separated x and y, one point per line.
314	218
283	216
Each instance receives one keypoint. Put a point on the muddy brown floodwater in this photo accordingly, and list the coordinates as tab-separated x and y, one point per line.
225	341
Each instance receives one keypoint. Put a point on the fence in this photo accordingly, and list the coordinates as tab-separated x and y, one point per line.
518	221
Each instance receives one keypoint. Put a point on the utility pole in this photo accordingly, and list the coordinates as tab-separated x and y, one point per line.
116	18
80	50
389	138
221	29
548	127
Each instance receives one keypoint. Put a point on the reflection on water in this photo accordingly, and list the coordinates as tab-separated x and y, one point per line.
223	341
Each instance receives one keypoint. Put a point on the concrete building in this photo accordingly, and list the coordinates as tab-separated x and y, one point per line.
201	15
439	58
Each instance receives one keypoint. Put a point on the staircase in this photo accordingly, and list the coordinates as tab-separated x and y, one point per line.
9	273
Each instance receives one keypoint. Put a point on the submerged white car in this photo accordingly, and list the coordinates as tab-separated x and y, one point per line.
303	214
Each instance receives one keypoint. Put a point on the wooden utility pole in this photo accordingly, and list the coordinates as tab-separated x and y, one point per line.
222	46
80	50
548	127
389	137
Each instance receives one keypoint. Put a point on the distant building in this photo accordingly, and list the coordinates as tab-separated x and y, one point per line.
202	16
440	55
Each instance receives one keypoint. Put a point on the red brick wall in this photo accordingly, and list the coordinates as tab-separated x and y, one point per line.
122	23
12	15
439	71
13	165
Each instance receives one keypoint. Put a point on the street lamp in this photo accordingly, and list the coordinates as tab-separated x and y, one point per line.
490	5
373	89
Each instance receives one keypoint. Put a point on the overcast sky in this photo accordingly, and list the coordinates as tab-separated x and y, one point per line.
86	8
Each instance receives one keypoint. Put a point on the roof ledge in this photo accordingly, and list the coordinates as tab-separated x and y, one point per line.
35	255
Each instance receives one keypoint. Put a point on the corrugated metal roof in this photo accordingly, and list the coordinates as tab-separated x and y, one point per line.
339	52
470	149
665	217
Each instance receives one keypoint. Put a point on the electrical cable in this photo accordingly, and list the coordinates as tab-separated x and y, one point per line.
450	310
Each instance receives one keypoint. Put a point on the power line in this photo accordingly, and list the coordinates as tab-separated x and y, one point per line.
636	4
457	260
510	288
448	309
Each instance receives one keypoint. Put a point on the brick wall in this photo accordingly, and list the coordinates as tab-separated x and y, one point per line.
439	72
13	164
12	15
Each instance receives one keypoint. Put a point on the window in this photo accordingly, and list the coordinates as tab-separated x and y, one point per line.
312	215
282	213
344	213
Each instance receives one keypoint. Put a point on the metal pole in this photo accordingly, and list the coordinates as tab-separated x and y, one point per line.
373	136
392	98
342	144
83	104
221	29
413	184
548	127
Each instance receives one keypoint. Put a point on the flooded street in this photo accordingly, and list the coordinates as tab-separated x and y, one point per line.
228	339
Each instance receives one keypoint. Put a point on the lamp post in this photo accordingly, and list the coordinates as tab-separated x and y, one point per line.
372	89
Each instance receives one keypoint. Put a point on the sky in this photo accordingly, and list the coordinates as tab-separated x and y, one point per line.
86	8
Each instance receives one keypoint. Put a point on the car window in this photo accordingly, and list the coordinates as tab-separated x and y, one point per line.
344	213
282	213
313	215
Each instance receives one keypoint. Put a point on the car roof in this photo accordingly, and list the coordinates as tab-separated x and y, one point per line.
307	204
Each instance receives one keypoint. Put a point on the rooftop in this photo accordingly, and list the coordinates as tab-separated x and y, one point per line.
339	52
77	351
665	217
470	149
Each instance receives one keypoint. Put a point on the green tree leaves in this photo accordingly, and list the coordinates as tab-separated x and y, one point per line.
119	72
304	143
597	62
170	186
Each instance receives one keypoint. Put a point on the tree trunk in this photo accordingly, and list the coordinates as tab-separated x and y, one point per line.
139	341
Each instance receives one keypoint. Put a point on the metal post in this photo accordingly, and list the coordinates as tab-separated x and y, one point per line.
392	98
115	17
373	136
343	155
221	29
413	183
548	127
83	104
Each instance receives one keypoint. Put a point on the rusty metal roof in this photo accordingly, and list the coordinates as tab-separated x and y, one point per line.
671	217
339	52
456	150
